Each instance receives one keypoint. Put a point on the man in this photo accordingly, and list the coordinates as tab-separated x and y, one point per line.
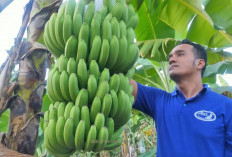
192	121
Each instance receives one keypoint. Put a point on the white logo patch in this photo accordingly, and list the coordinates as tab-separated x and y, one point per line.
205	115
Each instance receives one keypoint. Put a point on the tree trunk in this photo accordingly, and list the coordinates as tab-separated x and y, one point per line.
26	103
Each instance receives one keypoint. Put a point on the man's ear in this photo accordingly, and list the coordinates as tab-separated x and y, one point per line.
200	63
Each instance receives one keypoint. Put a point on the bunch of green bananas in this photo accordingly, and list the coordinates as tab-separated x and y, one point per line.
89	84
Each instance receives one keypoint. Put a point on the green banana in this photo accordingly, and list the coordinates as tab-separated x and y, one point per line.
61	109
70	7
82	98
68	110
92	135
69	134
121	54
51	26
95	108
108	4
92	87
56	105
71	66
121	103
95	30
114	50
102	139
50	89
73	86
89	13
117	11
80	8
80	136
104	54
51	142
77	22
102	89
130	73
99	121
115	27
56	85
50	135
67	27
49	43
106	30
95	49
75	115
133	53
124	13
64	77
105	75
61	10
84	33
122	84
131	11
130	34
85	116
106	105
63	60
71	47
114	107
103	11
122	27
133	22
82	73
59	30
94	69
114	82
110	126
60	131
82	50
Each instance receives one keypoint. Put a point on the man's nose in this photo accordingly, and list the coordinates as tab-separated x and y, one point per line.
172	59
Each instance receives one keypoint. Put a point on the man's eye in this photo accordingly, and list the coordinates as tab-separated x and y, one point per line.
180	54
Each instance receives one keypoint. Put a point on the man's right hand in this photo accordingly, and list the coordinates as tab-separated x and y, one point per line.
135	88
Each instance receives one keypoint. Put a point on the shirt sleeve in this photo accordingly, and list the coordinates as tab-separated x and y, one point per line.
146	100
228	134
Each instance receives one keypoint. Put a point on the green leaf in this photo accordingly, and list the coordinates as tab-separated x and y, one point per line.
220	40
136	4
46	103
222	81
222	89
154	27
218	68
198	24
4	121
178	13
220	12
149	153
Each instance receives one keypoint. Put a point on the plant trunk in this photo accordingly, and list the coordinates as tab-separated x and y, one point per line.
26	103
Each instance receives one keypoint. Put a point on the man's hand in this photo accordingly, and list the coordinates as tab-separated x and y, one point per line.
135	88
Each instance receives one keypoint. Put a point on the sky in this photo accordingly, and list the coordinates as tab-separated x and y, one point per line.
10	22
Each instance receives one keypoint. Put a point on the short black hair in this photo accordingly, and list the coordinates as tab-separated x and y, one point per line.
199	53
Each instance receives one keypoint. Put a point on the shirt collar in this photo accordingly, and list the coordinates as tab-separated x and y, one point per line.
204	89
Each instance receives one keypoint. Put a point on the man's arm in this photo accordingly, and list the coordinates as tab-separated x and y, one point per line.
135	88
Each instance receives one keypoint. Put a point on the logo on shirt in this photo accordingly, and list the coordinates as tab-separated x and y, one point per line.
205	115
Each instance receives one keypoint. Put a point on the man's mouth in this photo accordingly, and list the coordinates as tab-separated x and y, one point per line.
172	66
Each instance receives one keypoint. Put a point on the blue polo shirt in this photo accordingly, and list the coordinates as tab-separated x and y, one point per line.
198	127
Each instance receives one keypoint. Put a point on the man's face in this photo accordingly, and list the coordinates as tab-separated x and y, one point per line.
181	61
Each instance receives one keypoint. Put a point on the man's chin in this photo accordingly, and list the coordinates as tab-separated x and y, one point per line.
174	76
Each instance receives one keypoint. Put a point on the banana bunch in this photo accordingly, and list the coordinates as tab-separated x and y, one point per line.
106	35
89	84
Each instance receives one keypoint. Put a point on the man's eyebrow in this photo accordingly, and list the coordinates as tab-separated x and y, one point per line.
177	51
